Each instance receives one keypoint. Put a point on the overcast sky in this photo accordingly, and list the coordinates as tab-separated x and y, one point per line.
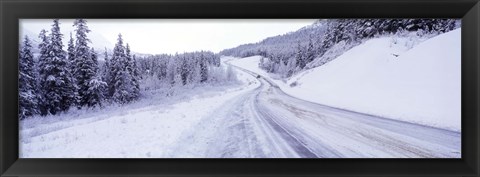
173	35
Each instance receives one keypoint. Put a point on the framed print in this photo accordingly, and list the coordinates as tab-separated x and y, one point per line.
243	88
289	96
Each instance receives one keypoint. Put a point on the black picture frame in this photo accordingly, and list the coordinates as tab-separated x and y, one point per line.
12	10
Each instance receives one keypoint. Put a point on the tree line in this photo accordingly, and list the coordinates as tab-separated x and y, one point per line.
186	69
57	80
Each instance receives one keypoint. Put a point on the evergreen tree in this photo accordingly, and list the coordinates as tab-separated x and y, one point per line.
71	63
203	68
85	66
291	66
56	81
309	52
282	69
106	74
261	64
96	87
122	84
184	70
71	53
133	73
136	78
94	60
171	70
300	56
195	76
118	52
42	59
123	87
28	103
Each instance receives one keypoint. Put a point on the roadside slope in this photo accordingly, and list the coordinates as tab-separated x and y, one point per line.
420	85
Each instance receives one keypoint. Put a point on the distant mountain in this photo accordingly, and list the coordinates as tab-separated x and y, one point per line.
98	41
280	44
33	39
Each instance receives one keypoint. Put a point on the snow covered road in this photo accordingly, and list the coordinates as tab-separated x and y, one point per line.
266	122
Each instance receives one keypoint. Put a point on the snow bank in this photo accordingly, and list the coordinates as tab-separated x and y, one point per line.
383	77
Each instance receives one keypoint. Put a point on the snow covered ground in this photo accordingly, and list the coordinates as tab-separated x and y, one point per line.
150	128
252	120
384	77
267	123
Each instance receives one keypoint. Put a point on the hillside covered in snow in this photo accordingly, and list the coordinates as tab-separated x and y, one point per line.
384	77
323	41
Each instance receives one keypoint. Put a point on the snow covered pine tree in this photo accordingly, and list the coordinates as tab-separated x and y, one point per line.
96	87
85	66
26	80
105	72
56	83
122	82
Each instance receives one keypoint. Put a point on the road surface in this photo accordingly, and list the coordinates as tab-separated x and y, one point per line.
267	123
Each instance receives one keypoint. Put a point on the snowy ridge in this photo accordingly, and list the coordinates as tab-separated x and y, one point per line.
420	85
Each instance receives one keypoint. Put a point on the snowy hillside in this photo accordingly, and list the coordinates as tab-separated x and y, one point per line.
379	77
281	44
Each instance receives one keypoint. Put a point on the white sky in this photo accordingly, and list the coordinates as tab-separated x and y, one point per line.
155	36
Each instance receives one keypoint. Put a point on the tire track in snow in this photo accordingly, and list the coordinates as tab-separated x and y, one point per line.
267	123
368	136
300	148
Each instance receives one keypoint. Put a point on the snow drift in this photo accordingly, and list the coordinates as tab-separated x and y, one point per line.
383	77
